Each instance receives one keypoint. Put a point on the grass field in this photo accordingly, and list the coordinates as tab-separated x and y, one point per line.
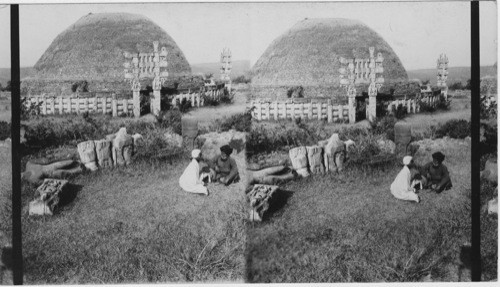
349	228
135	224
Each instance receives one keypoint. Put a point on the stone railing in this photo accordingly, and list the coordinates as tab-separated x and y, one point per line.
313	110
51	104
412	105
198	98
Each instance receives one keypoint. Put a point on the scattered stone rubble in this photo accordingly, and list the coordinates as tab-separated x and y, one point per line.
49	191
490	173
259	198
115	150
327	156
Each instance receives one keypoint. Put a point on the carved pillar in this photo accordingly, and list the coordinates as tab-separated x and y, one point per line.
371	109
351	93
442	75
136	97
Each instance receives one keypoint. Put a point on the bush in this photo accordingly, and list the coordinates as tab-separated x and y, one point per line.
184	106
401	112
443	103
240	122
242	79
29	109
295	92
488	137
4	130
385	127
457	129
227	97
170	120
456	86
488	108
426	108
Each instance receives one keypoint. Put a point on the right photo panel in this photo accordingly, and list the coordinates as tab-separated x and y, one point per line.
359	155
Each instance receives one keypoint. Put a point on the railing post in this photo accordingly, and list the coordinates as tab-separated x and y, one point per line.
114	106
320	111
329	111
125	106
276	113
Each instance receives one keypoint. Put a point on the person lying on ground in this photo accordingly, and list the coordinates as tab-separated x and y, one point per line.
401	186
190	179
224	168
435	175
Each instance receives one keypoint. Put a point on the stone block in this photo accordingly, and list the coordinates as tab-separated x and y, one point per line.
39	207
103	152
87	153
298	156
315	159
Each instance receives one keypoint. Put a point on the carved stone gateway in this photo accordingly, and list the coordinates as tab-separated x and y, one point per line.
357	71
442	74
226	65
147	65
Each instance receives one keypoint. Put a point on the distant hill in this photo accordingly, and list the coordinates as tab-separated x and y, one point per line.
5	74
456	74
241	67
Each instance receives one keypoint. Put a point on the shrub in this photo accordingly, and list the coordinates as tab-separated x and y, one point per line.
170	119
443	103
4	130
426	108
488	108
401	112
488	137
295	92
210	101
227	97
242	79
29	109
457	86
240	122
184	105
385	127
457	129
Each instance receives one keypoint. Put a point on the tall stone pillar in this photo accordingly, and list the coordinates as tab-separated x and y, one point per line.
156	99
442	74
136	97
371	109
351	93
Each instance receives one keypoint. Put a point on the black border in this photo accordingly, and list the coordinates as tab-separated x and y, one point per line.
475	148
16	167
17	260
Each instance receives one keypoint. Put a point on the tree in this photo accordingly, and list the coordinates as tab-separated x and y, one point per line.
8	87
468	86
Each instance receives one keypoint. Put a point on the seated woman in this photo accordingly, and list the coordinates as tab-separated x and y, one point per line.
435	174
224	168
190	179
401	186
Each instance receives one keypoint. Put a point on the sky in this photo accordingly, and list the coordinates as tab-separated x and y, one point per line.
418	32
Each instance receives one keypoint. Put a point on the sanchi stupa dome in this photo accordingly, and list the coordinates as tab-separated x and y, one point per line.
308	55
92	50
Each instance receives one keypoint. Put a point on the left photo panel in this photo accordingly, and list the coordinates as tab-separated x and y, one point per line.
132	143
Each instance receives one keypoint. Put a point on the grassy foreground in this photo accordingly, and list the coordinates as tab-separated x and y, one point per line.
349	228
134	224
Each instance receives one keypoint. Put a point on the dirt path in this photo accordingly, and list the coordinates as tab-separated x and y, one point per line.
208	114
